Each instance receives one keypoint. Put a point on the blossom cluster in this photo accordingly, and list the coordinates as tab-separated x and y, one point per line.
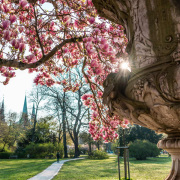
102	127
53	41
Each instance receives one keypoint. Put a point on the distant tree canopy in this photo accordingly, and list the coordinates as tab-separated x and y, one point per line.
142	133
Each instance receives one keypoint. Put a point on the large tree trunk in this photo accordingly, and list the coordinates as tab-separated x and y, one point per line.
76	144
64	128
64	137
150	94
89	143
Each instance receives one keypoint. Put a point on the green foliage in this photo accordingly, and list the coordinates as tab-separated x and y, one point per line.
143	149
43	150
5	155
71	153
44	141
138	132
60	148
8	135
97	154
20	151
114	147
43	133
83	150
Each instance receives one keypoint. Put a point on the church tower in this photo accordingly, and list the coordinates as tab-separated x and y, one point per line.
24	118
2	116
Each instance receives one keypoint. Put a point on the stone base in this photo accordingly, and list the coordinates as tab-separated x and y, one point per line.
172	146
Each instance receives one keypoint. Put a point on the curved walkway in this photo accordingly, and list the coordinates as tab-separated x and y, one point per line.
51	171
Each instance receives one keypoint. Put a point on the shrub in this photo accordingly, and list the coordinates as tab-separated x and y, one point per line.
143	149
20	151
97	154
5	155
71	153
83	150
43	150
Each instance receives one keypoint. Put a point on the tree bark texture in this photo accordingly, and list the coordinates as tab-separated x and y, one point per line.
149	95
64	126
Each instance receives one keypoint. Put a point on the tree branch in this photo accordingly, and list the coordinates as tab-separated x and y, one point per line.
22	66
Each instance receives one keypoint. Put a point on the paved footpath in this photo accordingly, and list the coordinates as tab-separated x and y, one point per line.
51	171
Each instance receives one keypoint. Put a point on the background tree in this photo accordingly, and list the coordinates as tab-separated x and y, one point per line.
76	110
44	133
142	133
9	131
77	120
59	98
36	96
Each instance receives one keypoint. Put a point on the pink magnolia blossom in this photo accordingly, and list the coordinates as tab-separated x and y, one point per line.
84	97
89	3
5	8
7	35
50	82
100	94
98	70
21	47
6	81
21	29
6	24
65	50
12	18
23	3
94	63
92	20
31	58
45	74
42	1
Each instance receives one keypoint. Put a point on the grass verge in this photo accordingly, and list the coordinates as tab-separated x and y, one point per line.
150	169
22	169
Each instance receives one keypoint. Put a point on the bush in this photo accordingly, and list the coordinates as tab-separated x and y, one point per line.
143	149
20	151
83	150
97	154
71	153
60	148
43	150
5	155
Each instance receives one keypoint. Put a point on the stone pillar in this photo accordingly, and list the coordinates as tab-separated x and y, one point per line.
150	95
172	146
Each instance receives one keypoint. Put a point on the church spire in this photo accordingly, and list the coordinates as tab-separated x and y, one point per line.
25	106
2	116
24	118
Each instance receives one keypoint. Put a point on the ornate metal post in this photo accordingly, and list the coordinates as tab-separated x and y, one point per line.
150	95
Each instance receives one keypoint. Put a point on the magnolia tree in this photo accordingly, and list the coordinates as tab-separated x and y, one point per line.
51	37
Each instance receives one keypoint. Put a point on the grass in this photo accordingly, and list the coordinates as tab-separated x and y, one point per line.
150	169
19	169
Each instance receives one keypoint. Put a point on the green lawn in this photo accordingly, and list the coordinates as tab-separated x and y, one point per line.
151	169
19	169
